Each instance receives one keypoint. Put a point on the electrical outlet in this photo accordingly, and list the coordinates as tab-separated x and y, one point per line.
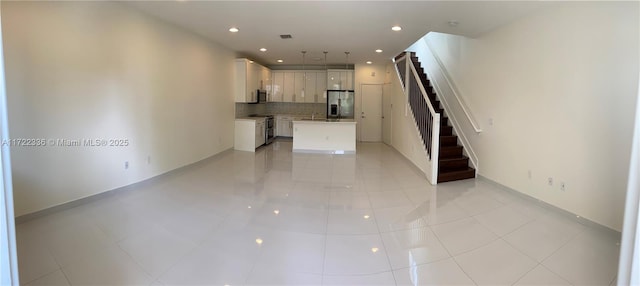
562	186
550	181
126	165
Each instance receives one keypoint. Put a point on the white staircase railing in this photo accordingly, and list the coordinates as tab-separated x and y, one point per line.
427	120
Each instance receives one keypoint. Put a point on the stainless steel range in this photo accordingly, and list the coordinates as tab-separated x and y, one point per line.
269	126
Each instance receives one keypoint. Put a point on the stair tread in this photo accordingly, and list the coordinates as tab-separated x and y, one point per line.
454	164
451	147
456	172
453	159
456	175
448	138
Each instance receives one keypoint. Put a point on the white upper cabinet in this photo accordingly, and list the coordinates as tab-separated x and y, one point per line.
333	80
266	81
321	87
340	79
316	86
277	86
310	91
350	80
298	86
250	77
244	81
287	86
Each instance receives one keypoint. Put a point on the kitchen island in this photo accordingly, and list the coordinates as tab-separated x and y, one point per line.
327	136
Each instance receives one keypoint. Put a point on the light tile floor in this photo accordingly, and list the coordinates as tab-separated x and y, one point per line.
277	218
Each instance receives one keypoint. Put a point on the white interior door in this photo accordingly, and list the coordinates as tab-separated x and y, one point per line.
371	113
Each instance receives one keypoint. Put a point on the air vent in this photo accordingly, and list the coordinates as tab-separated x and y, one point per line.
286	37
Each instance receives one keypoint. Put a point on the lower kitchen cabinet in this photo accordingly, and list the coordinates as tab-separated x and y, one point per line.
284	127
260	136
249	134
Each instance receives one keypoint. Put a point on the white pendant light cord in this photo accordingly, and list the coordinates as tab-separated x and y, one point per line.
346	62
326	70
304	69
346	67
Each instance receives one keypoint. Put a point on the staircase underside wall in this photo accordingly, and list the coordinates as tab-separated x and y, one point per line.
405	136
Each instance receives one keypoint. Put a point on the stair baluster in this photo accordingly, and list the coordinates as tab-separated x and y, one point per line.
423	101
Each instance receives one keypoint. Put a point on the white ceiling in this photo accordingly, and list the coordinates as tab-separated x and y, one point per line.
359	27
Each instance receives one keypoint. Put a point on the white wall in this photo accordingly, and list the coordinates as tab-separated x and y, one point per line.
560	86
629	264
8	256
79	70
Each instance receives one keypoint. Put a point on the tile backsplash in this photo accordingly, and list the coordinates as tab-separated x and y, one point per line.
244	109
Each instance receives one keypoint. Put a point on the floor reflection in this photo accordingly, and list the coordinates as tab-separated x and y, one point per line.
277	217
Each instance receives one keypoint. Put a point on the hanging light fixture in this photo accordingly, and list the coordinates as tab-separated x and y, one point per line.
346	67
324	95
304	78
346	62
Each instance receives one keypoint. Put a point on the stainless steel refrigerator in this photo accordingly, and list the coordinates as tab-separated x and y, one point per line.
340	103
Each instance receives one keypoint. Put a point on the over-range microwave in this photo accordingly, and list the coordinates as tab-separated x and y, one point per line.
261	97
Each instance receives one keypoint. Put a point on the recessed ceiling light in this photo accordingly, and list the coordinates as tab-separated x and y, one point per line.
233	30
396	28
368	62
250	62
280	61
378	51
263	49
453	23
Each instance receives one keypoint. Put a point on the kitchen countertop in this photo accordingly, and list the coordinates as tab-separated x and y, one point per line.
249	118
277	114
325	121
